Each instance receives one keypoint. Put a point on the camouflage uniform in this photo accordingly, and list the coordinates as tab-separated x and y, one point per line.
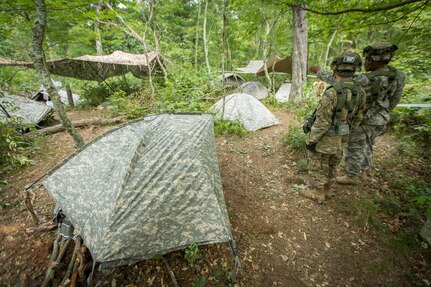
384	88
329	147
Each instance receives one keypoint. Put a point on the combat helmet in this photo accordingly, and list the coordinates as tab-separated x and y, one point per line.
382	51
348	61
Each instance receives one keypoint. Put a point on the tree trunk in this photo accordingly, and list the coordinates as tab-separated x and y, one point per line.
300	50
99	48
38	57
328	47
148	23
69	96
206	40
197	36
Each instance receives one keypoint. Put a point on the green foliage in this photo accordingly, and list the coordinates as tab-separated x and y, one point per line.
295	137
13	147
200	281
302	165
191	254
130	105
228	127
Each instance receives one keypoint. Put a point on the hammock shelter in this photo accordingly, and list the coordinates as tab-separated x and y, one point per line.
145	188
29	111
274	64
97	68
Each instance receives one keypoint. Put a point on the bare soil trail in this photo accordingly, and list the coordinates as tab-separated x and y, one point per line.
282	238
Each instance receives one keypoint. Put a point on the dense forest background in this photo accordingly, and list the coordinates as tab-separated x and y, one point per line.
199	41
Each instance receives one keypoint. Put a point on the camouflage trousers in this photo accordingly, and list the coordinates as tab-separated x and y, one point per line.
322	168
359	151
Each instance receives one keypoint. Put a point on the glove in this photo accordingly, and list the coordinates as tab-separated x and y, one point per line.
314	69
311	147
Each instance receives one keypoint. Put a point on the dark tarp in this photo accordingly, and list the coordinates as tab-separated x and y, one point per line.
97	68
146	188
31	112
275	64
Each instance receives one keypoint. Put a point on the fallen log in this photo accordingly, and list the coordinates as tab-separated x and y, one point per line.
46	226
81	123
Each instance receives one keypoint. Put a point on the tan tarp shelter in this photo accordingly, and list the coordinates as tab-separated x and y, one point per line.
275	64
97	68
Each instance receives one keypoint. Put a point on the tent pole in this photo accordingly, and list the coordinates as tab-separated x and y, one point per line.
171	273
4	111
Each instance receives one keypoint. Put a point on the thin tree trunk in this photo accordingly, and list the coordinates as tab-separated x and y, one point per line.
40	67
197	36
147	23
159	50
265	46
300	49
223	36
205	39
328	47
99	48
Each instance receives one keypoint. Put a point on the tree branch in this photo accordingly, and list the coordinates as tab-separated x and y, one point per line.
362	10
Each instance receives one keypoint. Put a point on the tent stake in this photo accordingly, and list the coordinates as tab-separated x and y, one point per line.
171	273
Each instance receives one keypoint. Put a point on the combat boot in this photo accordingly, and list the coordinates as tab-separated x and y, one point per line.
317	195
329	191
349	180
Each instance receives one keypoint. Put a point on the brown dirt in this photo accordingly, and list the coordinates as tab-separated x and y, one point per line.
282	238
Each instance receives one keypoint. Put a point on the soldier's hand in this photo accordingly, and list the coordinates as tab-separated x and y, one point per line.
311	147
314	69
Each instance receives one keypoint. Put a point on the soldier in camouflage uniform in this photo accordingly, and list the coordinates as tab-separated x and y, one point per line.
384	87
339	110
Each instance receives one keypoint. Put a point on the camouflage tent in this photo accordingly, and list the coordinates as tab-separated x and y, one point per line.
256	89
246	109
148	187
31	112
283	93
97	68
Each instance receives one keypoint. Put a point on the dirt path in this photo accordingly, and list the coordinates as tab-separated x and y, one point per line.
282	238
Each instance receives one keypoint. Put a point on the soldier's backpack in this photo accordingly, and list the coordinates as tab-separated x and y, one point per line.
345	90
376	88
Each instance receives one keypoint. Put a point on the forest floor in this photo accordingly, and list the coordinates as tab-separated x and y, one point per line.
282	238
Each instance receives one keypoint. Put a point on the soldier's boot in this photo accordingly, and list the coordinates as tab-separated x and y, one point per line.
317	195
329	191
348	180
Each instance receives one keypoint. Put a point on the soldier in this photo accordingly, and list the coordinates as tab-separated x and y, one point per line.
339	110
384	87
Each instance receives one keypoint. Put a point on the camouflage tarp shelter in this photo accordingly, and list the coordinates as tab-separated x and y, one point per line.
274	64
255	89
97	68
246	109
146	188
31	112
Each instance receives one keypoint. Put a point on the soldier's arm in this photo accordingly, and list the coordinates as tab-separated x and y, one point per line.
396	97
324	113
357	119
326	76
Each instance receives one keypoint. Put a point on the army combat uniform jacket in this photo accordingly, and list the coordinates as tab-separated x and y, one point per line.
331	139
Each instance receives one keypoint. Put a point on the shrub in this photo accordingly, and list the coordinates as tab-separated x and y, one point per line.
13	147
295	138
223	126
